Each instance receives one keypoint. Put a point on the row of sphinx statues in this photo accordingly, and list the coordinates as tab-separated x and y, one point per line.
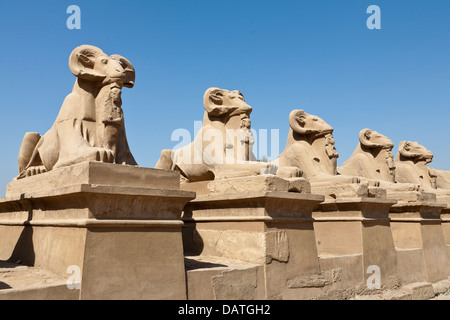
310	151
90	127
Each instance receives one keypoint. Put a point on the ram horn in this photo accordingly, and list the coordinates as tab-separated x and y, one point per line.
82	60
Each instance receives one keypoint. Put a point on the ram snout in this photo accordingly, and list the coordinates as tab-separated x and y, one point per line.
114	71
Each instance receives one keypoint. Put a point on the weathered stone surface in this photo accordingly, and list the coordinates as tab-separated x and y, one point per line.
259	183
413	291
340	191
441	287
20	282
273	229
442	179
235	285
212	277
412	196
277	246
418	226
421	291
353	235
316	281
96	173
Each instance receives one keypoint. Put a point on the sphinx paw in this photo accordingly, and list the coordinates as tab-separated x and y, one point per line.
104	155
32	171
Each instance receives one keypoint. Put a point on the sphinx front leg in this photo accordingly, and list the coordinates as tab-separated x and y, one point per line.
43	158
87	153
74	148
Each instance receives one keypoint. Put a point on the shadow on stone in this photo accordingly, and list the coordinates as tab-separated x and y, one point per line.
193	244
192	264
4	286
23	252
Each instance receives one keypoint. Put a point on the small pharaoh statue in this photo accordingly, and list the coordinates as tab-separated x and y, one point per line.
391	164
246	139
112	116
433	178
331	151
330	148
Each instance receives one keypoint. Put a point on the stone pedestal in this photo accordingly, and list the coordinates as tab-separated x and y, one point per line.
119	226
445	217
272	229
418	235
353	234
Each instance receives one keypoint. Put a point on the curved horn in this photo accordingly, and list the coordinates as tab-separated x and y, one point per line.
404	148
82	60
365	136
129	70
364	139
213	102
296	121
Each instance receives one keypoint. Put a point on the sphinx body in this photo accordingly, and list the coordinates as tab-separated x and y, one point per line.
90	125
373	161
217	146
412	167
310	149
411	162
442	179
372	158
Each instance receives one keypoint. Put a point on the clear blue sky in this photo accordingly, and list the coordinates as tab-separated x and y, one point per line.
312	54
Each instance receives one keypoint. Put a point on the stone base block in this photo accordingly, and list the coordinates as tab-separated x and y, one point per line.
417	226
347	191
218	278
95	173
411	196
441	287
259	183
350	266
413	291
20	282
410	263
243	169
133	263
443	199
338	280
445	218
358	228
340	191
265	182
269	229
113	229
